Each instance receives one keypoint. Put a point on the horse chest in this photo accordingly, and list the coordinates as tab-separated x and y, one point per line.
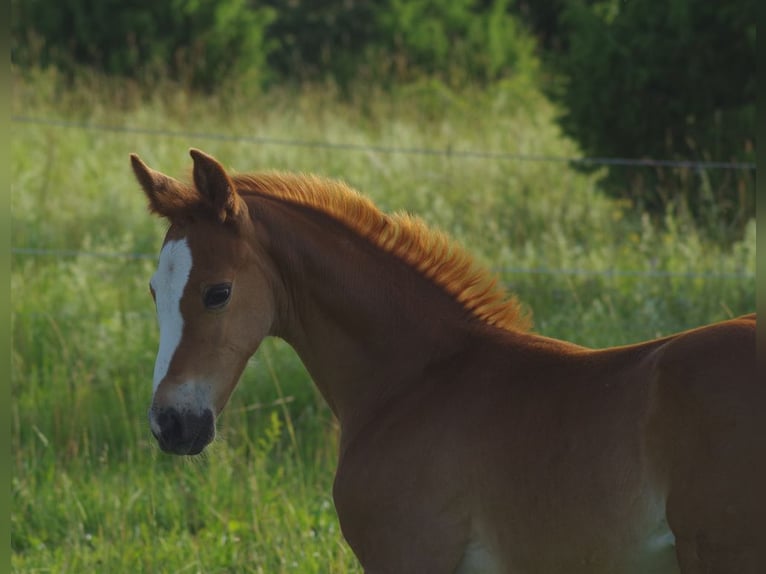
653	552
477	559
655	556
657	553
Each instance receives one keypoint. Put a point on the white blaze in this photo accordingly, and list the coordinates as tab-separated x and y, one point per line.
169	282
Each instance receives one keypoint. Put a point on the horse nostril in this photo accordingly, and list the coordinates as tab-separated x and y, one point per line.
171	426
182	432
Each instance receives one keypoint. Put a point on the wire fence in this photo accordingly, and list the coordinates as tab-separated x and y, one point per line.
449	152
346	146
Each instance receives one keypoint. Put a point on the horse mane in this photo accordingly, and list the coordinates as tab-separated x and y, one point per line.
432	253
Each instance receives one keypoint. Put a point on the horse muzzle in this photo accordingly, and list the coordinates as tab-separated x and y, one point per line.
182	431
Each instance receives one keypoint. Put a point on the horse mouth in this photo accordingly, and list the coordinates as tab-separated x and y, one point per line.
182	432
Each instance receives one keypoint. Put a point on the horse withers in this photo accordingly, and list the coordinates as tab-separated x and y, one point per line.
467	442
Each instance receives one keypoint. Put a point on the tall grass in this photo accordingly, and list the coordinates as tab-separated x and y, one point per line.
91	492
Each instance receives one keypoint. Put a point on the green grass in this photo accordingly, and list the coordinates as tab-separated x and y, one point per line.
91	492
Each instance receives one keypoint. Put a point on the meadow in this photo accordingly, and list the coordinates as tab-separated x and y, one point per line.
92	493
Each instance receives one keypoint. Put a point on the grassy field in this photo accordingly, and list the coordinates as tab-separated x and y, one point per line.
92	493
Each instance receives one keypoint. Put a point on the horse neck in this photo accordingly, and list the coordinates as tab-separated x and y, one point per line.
364	323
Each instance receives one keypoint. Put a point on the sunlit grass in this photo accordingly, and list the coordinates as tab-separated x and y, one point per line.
91	492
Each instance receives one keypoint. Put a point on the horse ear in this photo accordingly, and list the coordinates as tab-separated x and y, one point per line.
214	184
166	195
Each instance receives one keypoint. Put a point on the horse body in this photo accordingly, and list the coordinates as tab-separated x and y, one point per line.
467	443
558	459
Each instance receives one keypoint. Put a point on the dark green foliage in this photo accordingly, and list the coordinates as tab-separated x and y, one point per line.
461	41
544	18
326	39
669	79
202	43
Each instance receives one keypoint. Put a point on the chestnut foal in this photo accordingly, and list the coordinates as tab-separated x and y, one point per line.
468	444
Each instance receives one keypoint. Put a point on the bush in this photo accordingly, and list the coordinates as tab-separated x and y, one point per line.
461	41
204	43
201	43
672	80
321	40
457	41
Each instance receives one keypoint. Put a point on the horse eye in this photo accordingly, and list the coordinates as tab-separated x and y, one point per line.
216	296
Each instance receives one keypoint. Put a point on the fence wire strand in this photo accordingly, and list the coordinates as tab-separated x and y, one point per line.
346	146
451	153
